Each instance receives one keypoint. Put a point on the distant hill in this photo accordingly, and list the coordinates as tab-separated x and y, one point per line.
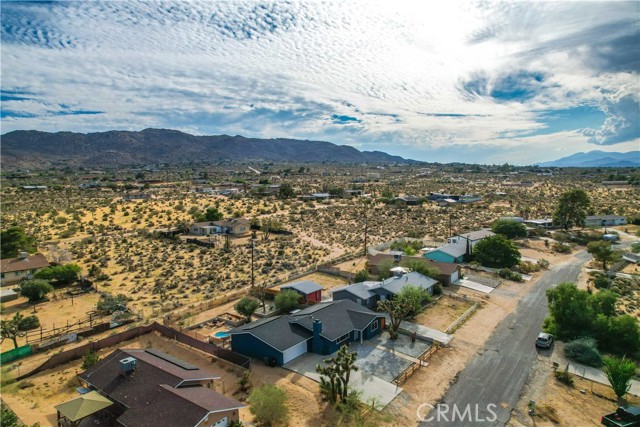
23	149
598	159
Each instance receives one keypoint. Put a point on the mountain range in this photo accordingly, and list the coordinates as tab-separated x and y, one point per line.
597	159
24	149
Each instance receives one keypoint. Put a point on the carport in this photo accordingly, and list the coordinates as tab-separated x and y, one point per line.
69	414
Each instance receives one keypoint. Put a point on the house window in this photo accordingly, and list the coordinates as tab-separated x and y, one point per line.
374	325
342	338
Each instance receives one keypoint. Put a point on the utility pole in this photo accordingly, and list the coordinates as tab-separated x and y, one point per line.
253	243
366	224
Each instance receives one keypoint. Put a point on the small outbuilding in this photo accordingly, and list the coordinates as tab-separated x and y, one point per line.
310	291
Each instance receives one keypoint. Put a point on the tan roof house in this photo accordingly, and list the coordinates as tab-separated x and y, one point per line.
13	270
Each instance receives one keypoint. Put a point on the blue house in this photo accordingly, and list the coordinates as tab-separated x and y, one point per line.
321	329
368	294
459	248
451	252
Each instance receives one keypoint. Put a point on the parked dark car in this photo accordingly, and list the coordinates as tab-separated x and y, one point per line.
625	416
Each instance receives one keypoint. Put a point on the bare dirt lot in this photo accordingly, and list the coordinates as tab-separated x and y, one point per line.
441	315
559	405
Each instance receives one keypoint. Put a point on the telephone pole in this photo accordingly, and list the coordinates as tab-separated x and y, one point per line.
253	243
366	225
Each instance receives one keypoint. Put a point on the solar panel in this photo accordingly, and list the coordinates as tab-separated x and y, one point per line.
173	360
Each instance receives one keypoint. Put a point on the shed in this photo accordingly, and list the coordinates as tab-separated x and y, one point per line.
310	291
7	295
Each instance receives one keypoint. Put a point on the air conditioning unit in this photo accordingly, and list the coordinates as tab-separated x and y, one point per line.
127	365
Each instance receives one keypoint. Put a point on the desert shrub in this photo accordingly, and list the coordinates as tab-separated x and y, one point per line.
543	263
28	323
584	350
109	303
565	377
437	289
562	248
268	405
527	267
505	273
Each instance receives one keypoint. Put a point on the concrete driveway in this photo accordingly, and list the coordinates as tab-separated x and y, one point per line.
371	386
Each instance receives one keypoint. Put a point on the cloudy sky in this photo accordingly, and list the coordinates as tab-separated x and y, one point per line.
485	81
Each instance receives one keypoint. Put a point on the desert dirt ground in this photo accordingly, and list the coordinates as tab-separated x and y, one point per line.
441	315
560	405
34	398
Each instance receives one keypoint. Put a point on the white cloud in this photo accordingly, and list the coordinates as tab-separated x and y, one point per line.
284	69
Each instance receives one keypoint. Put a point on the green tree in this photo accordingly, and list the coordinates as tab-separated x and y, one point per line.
212	214
35	289
8	418
571	311
398	309
604	302
89	359
361	276
66	274
384	268
287	300
414	296
572	209
246	307
421	267
10	329
623	335
286	191
268	405
602	252
496	251
619	373
509	229
13	240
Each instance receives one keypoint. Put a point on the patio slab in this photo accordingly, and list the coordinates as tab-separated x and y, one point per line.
371	386
401	345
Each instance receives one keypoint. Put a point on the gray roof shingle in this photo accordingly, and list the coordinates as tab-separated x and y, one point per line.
306	287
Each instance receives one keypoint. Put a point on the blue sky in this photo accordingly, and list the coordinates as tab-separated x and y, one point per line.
485	81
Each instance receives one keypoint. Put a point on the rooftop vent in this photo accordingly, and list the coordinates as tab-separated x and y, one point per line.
127	365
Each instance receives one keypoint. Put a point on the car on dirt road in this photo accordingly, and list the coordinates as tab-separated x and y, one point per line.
544	340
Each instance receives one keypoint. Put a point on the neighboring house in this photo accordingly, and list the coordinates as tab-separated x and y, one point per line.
13	270
449	272
153	389
310	291
604	220
459	247
367	294
138	196
235	227
449	253
34	187
319	329
315	196
541	223
409	200
512	219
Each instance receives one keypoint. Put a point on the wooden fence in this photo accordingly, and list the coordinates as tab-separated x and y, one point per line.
47	334
408	373
78	352
460	321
